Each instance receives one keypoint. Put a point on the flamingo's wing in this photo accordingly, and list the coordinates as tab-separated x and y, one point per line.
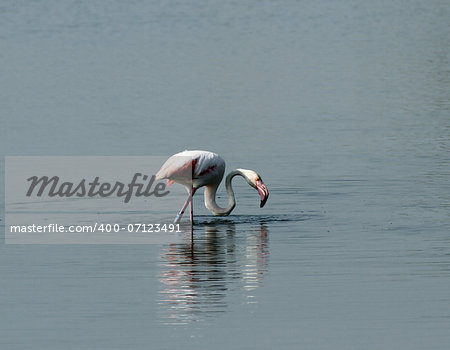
208	163
185	166
176	169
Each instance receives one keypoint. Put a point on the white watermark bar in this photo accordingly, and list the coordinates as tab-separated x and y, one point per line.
91	200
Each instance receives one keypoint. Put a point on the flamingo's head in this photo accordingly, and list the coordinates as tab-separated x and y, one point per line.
254	180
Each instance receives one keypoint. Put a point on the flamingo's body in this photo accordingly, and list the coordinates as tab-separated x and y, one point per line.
195	169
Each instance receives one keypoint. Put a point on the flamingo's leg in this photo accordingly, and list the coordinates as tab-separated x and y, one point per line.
188	200
191	209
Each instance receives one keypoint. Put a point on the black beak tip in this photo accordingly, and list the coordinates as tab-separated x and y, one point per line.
263	202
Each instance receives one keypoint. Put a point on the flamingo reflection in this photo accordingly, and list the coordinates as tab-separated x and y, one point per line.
196	280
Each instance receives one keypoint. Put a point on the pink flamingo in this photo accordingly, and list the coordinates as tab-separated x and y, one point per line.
195	169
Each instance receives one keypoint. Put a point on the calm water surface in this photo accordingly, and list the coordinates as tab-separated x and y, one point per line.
344	109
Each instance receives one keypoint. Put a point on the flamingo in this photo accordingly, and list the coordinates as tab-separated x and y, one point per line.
195	169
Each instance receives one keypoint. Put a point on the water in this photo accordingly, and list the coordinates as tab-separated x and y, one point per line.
343	108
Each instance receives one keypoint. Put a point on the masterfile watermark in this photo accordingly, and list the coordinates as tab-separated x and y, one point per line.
84	200
97	227
96	188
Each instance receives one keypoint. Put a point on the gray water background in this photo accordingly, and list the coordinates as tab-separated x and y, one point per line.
344	109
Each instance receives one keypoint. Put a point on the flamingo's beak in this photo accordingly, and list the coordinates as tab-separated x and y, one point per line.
263	192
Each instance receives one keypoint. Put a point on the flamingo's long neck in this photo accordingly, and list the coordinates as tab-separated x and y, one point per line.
210	196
